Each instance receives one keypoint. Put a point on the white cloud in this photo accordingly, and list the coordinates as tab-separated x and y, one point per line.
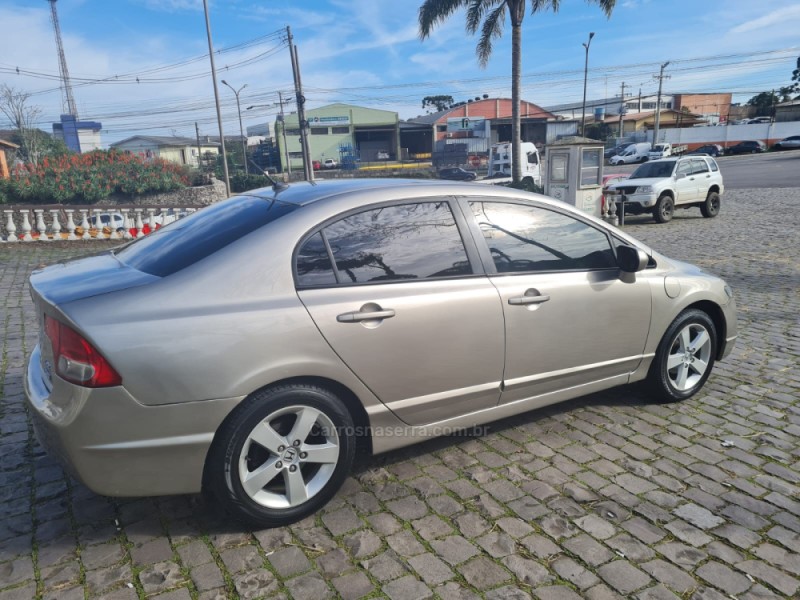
782	16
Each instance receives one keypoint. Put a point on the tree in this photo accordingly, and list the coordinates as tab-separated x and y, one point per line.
764	102
441	102
489	16
15	106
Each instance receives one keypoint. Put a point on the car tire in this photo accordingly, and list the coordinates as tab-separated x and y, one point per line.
280	455
664	209
710	208
684	358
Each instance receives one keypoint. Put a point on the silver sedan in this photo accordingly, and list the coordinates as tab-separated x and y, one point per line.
247	348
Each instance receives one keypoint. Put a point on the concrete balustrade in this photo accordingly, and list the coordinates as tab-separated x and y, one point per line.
47	224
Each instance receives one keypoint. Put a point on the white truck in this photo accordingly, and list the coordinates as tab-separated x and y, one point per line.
500	163
635	153
665	149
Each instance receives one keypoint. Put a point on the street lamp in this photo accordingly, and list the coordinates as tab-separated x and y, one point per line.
216	100
241	131
585	77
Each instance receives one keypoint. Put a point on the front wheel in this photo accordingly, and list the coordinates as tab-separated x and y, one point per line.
684	358
281	455
664	209
710	208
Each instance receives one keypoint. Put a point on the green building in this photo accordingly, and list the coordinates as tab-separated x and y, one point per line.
343	132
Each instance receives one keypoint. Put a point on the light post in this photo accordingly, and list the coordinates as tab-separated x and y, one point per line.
241	130
585	78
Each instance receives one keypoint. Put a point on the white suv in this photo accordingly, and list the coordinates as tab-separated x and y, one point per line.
660	186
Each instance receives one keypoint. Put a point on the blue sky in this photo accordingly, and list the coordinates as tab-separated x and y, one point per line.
368	52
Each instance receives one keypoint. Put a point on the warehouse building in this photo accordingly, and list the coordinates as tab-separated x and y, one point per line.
342	132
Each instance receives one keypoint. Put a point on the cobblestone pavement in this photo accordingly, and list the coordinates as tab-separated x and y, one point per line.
602	497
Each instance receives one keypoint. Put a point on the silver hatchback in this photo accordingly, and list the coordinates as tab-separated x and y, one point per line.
246	349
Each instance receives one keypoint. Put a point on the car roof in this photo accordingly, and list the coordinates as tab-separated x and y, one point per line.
303	193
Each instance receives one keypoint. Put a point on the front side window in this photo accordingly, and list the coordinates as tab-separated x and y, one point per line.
524	238
397	243
684	168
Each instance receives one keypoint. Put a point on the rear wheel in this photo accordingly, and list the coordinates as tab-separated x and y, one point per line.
664	209
684	358
282	455
710	208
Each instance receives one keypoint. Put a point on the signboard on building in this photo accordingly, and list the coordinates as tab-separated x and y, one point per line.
329	121
477	125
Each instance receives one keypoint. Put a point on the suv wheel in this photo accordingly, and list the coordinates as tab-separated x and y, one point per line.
664	209
710	208
282	454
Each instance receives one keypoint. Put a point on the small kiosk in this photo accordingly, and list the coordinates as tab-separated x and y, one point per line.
575	173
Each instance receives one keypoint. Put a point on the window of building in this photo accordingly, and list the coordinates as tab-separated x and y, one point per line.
590	166
319	131
340	130
558	168
398	243
525	239
292	132
441	128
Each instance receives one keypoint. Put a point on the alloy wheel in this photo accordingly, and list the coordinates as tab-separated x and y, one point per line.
289	457
688	357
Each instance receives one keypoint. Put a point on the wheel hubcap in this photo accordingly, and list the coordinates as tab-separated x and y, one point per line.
289	457
688	357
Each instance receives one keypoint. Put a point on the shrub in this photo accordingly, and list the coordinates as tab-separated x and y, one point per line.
91	177
242	183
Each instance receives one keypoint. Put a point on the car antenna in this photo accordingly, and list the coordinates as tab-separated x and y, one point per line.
276	185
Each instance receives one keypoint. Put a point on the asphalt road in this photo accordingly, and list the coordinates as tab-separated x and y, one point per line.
750	171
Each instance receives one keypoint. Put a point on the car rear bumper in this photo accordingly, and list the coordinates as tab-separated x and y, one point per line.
117	446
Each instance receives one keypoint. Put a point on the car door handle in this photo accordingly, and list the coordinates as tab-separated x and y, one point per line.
358	316
525	300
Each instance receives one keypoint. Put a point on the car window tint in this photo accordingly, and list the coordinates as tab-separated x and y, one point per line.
187	241
313	263
395	243
699	166
526	238
684	168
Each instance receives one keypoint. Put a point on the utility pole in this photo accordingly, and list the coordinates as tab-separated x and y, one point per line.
283	131
199	150
301	112
621	108
585	78
216	102
660	78
241	130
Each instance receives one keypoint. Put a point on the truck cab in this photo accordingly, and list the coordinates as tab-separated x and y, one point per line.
500	162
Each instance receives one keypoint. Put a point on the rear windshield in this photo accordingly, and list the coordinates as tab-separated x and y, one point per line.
189	240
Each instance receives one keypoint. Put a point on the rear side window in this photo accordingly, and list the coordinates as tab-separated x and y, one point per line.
713	164
397	243
189	240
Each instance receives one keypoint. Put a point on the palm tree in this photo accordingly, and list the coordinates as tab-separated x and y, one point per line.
492	14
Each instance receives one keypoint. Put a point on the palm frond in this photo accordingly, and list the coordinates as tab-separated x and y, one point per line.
492	28
542	5
476	10
606	6
433	12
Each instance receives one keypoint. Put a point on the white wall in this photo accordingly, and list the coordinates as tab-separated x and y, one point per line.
726	135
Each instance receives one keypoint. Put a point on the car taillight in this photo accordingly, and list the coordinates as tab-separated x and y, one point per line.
76	359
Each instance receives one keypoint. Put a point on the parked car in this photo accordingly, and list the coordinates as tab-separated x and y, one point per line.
330	163
789	143
112	220
759	120
661	186
635	153
749	147
246	348
316	165
609	152
457	174
710	149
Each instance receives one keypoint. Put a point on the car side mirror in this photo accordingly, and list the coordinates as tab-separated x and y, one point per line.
631	260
